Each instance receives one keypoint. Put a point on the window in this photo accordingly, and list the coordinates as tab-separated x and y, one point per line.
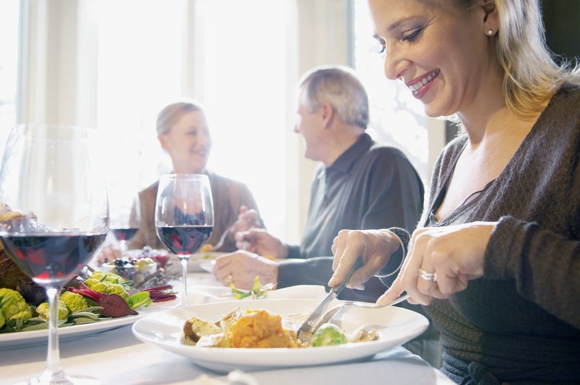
234	62
9	28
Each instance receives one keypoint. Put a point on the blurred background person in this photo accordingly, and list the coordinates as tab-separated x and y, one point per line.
184	133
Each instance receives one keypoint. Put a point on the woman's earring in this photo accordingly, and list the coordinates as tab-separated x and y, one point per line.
490	32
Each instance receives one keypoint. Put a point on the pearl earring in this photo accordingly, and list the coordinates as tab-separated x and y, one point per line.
490	32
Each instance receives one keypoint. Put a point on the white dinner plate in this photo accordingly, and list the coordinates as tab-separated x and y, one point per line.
395	326
38	337
194	264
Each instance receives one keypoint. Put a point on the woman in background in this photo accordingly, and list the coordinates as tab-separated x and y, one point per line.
183	132
496	258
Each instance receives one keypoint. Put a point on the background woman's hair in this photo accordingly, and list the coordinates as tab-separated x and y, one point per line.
171	114
340	87
531	75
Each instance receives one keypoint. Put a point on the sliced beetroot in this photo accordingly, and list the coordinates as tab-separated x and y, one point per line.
113	305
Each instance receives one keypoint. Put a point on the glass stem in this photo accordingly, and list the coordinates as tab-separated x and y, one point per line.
53	370
184	299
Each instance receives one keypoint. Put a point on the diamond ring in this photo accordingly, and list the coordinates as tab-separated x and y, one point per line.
427	276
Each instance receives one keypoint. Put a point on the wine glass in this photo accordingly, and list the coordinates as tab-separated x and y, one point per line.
184	217
48	175
125	219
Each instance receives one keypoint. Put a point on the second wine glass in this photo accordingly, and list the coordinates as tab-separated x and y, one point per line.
184	217
125	219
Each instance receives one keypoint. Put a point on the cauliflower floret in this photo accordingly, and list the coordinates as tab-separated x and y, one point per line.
2	321
108	288
43	310
108	277
13	307
74	301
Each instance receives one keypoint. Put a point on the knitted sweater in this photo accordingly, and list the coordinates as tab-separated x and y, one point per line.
521	320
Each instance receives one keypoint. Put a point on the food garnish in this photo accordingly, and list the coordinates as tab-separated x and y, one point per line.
258	291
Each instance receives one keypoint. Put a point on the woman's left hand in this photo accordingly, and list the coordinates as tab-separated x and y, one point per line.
448	258
248	219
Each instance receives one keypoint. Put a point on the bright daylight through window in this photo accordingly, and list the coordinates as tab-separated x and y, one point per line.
238	72
9	24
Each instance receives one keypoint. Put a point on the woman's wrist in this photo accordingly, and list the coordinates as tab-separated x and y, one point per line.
399	240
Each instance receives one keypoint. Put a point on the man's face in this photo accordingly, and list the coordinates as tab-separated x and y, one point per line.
311	126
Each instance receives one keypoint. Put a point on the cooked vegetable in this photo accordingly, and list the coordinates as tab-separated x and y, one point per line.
258	291
328	335
14	308
112	305
107	287
74	301
43	311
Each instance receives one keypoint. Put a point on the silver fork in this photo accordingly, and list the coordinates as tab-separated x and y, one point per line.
224	235
347	304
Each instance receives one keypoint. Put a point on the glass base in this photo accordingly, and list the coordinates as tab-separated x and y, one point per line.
65	380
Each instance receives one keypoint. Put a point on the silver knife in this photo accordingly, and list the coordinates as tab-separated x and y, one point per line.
308	328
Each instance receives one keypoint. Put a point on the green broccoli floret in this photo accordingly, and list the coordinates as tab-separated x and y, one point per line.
74	301
2	320
43	310
15	310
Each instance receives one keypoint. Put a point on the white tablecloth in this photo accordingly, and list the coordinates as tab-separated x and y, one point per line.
117	357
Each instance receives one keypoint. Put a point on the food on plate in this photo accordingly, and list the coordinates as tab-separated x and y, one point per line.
258	291
258	328
96	297
249	329
328	335
205	248
145	268
136	270
14	310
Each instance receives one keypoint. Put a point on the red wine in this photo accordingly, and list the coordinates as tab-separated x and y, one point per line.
124	234
52	258
184	239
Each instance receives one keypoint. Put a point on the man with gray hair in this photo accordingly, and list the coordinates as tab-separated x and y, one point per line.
360	184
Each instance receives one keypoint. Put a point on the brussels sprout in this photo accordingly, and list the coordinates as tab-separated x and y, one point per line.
328	335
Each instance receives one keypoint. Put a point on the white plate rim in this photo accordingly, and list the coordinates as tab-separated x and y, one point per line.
156	329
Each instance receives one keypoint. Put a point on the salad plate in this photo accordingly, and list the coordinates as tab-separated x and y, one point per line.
39	337
394	326
197	261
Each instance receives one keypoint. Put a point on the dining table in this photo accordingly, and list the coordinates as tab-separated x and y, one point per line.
117	356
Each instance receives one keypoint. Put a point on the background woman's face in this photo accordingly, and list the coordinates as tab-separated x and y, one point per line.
188	143
440	52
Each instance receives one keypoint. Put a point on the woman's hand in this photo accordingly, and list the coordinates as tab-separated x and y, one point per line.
259	241
451	255
247	219
108	252
242	267
375	247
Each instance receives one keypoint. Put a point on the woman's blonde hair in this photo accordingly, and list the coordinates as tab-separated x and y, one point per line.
171	114
531	75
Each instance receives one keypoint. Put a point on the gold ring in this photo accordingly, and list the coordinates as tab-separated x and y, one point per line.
229	279
427	276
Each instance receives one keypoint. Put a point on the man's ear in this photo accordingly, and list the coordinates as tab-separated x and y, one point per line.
327	114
